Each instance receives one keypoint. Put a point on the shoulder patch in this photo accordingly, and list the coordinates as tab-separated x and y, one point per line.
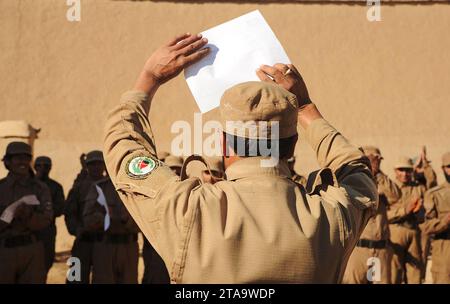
139	167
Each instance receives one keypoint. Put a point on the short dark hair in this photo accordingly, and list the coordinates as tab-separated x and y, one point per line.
248	147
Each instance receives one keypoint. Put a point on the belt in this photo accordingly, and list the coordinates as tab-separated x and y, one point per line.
91	237
372	244
17	241
120	238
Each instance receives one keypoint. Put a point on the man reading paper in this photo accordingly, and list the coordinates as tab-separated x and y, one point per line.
257	225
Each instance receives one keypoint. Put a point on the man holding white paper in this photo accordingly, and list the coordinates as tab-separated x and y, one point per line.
73	215
237	49
25	208
257	226
115	255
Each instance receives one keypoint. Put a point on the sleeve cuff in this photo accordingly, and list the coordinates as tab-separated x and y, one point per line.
138	97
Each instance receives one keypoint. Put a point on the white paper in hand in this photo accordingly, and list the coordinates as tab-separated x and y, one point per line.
238	48
9	213
30	200
102	201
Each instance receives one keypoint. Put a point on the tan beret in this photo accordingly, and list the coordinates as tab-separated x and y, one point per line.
371	150
404	162
254	109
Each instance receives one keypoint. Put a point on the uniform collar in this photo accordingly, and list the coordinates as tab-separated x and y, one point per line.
251	166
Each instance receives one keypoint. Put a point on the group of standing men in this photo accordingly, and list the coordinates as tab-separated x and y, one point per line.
106	237
413	218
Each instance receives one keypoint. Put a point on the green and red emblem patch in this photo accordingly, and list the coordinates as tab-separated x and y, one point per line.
140	167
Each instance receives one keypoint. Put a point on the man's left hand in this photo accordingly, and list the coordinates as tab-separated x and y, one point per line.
170	59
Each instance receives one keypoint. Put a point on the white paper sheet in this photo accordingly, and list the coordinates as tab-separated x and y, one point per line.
102	201
8	214
31	200
238	48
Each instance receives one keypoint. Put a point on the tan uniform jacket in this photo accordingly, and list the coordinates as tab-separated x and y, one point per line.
378	227
258	225
437	207
94	214
12	189
397	211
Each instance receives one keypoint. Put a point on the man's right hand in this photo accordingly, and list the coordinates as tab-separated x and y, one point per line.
288	77
414	206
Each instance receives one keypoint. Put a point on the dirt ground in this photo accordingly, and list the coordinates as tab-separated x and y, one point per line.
57	274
